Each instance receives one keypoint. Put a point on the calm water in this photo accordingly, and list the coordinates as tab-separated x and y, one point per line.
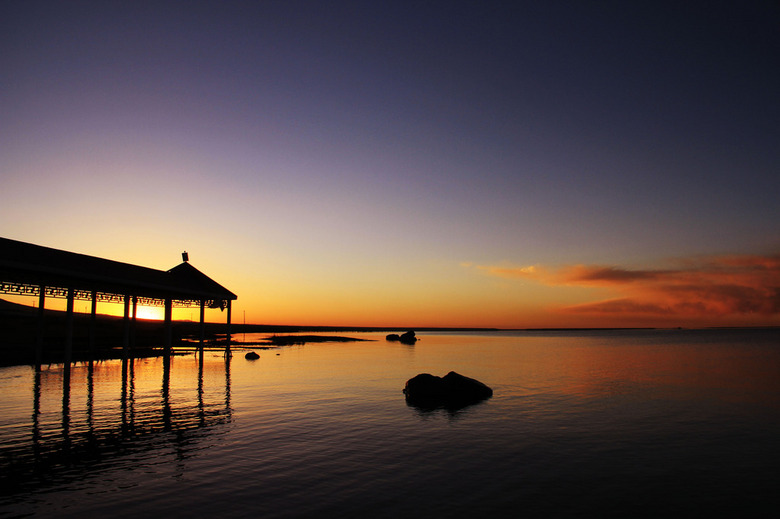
623	424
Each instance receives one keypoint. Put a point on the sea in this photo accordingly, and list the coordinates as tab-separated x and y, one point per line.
614	423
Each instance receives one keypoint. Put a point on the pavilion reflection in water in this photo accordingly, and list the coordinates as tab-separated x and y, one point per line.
82	440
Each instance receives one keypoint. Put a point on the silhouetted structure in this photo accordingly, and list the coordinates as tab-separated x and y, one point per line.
33	270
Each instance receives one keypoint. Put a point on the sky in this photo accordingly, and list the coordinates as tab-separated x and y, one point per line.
462	164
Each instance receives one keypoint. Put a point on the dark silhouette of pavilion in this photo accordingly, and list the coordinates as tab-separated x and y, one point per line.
33	270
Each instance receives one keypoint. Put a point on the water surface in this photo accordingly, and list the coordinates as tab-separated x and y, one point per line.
623	423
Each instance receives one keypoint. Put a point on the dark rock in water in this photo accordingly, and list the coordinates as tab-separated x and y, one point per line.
452	391
408	338
251	356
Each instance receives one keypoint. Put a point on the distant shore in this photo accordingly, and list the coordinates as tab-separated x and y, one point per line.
18	326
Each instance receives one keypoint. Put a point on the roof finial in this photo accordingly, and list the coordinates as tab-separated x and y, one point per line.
184	256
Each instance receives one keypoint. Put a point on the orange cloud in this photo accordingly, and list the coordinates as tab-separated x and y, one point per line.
711	286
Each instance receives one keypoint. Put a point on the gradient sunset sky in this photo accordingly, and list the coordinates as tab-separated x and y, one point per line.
497	164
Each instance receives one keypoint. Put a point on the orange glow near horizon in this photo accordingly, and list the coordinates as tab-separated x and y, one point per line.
156	313
702	291
690	292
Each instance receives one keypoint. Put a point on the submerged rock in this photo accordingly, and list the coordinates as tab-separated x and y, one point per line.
251	356
450	391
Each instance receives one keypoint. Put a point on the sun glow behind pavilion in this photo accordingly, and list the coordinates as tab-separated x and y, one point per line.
33	270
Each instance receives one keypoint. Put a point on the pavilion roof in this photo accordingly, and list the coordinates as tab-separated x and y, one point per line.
22	262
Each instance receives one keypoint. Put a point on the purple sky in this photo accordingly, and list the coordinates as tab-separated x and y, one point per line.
306	149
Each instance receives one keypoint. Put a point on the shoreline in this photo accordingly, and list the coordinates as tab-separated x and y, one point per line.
16	310
18	328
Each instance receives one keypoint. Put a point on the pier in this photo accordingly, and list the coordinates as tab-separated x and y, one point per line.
42	272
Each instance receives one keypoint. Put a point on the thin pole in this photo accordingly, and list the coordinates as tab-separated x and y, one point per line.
69	327
135	314
229	314
92	317
126	339
168	326
202	325
39	338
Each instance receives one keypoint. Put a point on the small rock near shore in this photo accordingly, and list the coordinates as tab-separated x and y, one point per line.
406	338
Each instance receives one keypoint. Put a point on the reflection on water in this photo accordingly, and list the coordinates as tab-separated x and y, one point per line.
93	425
607	424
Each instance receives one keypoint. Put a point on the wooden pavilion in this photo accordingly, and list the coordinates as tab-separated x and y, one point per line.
32	270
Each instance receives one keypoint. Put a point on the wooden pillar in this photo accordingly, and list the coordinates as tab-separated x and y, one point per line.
69	328
126	337
202	325
168	326
229	316
132	330
92	317
39	331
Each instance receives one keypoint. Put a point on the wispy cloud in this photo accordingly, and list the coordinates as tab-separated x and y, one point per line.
700	286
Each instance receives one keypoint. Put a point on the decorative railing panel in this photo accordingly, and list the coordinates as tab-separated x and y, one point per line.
26	289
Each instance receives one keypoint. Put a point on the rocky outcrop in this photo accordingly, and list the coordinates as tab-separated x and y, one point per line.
405	338
408	338
450	391
251	356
